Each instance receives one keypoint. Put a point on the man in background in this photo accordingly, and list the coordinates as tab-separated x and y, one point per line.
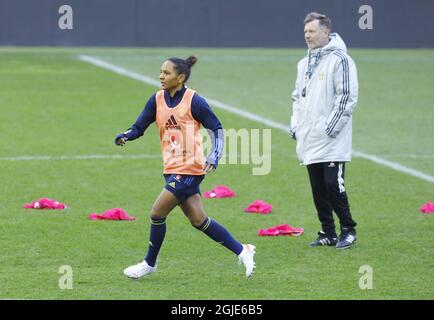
324	98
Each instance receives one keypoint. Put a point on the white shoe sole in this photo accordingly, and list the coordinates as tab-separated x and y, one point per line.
347	247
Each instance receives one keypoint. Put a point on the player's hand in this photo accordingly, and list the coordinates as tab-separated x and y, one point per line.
121	141
209	167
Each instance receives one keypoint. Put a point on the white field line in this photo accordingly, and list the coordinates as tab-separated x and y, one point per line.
232	58
410	155
155	83
273	58
253	117
394	166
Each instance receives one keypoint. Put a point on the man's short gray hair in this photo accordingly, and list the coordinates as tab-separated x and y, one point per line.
323	20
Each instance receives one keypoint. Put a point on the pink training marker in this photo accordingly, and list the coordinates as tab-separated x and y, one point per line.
427	208
220	192
286	229
281	230
112	214
45	203
259	206
268	232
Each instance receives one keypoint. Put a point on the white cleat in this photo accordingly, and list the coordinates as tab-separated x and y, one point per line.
246	257
139	270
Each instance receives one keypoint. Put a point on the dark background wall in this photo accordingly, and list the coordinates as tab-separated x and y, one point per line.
228	23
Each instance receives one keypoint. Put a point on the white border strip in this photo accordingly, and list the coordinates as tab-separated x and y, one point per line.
253	117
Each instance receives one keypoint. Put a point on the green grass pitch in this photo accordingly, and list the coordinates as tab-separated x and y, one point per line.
52	104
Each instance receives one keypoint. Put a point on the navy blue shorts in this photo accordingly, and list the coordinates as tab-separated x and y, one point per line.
183	186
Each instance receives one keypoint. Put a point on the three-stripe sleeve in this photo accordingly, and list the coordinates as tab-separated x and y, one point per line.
346	91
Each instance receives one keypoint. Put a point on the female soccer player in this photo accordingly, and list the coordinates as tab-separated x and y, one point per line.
178	112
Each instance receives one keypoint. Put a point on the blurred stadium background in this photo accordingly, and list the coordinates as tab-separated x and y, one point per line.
60	113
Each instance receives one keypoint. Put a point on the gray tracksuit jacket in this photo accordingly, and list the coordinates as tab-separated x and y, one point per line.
324	98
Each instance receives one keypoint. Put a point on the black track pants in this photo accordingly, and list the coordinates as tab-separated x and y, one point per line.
328	190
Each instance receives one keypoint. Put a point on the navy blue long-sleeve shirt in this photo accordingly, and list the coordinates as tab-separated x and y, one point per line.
200	111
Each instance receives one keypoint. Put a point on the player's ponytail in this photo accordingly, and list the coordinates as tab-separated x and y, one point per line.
183	66
190	61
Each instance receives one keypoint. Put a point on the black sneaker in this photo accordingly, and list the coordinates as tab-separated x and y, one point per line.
324	240
346	240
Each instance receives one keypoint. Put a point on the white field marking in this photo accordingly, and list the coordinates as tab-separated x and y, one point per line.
394	165
246	59
120	70
251	116
155	83
274	58
410	155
